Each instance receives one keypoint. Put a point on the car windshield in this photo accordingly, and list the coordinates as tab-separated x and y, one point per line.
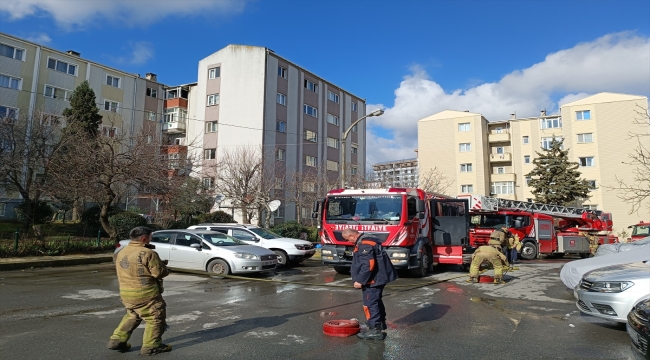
364	208
266	234
641	230
221	240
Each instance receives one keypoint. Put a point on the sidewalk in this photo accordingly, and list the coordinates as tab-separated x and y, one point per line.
16	263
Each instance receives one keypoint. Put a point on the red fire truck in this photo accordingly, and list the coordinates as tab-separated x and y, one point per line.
542	228
639	231
417	229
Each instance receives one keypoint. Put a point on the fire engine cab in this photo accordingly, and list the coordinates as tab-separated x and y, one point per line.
639	231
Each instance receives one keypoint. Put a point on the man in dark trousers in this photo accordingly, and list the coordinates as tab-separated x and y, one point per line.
371	271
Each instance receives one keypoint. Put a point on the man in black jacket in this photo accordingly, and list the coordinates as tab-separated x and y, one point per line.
371	270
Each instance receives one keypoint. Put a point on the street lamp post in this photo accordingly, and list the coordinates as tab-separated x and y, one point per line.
378	112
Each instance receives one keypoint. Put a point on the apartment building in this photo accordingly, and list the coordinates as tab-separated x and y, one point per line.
396	173
492	157
36	83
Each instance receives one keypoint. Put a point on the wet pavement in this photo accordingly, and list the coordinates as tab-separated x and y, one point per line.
69	313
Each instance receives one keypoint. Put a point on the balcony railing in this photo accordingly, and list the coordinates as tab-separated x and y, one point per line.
504	157
498	136
174	127
503	177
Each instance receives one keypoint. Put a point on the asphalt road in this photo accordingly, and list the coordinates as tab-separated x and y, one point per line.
69	313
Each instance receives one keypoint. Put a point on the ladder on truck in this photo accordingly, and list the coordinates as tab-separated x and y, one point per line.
478	203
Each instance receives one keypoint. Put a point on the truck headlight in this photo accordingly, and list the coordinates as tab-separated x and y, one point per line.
247	256
326	252
610	286
399	255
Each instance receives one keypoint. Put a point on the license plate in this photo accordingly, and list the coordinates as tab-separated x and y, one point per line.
633	335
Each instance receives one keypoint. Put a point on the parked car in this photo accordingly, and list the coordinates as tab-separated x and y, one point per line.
610	292
210	251
638	328
289	251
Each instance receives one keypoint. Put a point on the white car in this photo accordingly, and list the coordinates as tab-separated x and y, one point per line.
288	250
210	251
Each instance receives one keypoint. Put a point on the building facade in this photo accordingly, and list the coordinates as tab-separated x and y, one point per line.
396	173
492	158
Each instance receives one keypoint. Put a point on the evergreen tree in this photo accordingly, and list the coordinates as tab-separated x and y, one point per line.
555	179
83	110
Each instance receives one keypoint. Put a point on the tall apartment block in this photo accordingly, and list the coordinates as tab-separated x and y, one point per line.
396	173
492	158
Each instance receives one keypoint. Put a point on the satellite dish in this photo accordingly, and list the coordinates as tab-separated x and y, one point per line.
218	199
274	205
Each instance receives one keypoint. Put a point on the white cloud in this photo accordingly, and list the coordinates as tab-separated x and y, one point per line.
141	51
73	13
41	38
615	63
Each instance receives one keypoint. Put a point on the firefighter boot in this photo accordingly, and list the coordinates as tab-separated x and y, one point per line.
119	346
373	333
498	280
157	350
472	279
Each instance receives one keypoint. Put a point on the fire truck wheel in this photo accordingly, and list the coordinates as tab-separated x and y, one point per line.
421	270
529	251
343	270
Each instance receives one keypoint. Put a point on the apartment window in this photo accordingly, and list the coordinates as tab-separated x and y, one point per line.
500	150
310	85
590	207
463	127
583	115
332	165
311	135
528	179
281	126
150	139
592	184
332	97
214	73
10	82
551	123
353	171
210	154
151	92
109	131
310	110
279	183
503	187
282	72
546	142
466	189
309	187
179	141
355	149
53	120
211	126
333	143
111	105
355	128
282	99
150	115
12	52
213	99
498	130
587	161
56	93
465	147
8	113
585	138
354	106
501	170
525	139
3	209
112	81
279	212
332	119
62	66
175	115
526	159
310	160
464	168
280	154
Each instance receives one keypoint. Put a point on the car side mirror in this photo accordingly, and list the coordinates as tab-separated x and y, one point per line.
314	215
254	239
196	246
419	205
421	215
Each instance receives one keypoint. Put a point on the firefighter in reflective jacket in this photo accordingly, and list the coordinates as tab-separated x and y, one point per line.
492	253
371	271
593	242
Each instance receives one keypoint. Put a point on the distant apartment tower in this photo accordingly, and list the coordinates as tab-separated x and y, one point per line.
492	158
396	173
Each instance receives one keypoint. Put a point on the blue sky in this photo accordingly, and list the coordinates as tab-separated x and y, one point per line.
412	58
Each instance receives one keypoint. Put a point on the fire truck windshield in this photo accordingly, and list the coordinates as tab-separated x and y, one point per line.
364	208
641	230
494	221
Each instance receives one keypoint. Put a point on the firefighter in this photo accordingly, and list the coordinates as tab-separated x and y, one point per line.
593	242
492	253
507	241
140	272
371	270
513	246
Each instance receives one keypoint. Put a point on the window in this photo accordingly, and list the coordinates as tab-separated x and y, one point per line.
56	93
551	123
309	187
150	115
208	182
282	99
585	138
112	81
53	120
590	207
213	99
501	170
546	142
526	159
278	213
151	92
332	165
310	160
281	126
332	142
355	128
498	130
467	189
503	187
354	106
465	147
11	82
311	135
211	126
62	66
353	170
12	52
109	131
310	85
3	209
583	115
332	119
214	73
150	139
282	72
465	168
210	154
280	154
499	150
187	240
592	184
587	161
279	183
332	97
175	115
111	105
524	139
355	149
8	113
310	110
162	238
463	127
528	179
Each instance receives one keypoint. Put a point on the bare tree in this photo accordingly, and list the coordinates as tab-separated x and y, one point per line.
434	181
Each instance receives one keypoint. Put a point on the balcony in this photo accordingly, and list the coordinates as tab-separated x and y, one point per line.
174	127
498	137
505	157
503	177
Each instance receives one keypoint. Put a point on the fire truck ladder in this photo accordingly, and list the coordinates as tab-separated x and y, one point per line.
553	210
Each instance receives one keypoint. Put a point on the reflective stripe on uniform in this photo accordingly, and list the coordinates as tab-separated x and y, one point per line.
139	295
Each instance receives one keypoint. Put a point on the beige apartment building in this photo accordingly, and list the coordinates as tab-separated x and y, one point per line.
492	157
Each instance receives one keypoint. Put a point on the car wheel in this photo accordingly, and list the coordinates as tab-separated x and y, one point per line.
343	270
283	259
219	267
529	251
421	270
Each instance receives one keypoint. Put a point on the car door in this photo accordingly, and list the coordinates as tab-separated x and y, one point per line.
162	242
182	256
245	236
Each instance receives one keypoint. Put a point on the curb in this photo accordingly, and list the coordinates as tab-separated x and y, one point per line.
46	262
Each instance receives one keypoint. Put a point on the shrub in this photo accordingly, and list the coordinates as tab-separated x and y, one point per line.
124	222
39	213
290	229
90	219
216	217
313	234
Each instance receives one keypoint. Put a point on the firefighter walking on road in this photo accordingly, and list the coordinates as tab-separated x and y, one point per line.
371	270
140	272
491	253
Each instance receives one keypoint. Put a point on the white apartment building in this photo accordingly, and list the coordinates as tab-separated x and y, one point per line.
396	173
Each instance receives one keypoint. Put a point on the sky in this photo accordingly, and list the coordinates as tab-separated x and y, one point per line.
412	58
